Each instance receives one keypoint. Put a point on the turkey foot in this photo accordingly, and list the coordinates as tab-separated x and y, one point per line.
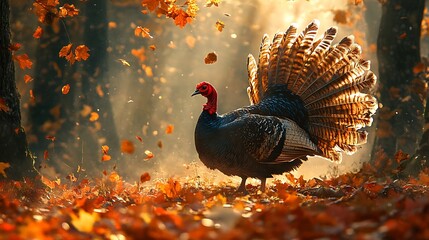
242	188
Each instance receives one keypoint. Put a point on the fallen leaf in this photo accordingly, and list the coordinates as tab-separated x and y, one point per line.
127	146
38	32
210	58
65	89
84	221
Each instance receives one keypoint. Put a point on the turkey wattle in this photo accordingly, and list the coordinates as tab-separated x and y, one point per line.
307	97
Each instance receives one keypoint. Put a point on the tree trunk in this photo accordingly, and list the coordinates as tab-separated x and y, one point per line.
13	143
400	120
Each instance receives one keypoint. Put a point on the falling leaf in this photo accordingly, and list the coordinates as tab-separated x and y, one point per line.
81	53
142	31
112	25
32	95
139	138
3	167
68	10
51	138
190	41
65	89
65	50
220	25
105	149
114	177
210	58
149	155
152	47
106	157
144	177
210	3
340	16
38	32
24	61
150	4
401	156
85	221
3	105
86	110
169	129
139	54
182	18
357	2
147	70
27	78
14	46
127	146
99	90
124	62
159	144
94	117
45	154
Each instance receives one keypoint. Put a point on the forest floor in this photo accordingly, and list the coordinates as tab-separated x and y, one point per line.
363	205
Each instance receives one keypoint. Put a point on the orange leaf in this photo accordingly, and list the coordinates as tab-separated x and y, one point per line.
142	31
210	58
24	61
145	177
169	129
151	4
65	51
105	157
139	54
182	18
94	117
81	52
152	47
65	89
114	177
149	155
340	16
171	188
31	95
3	166
68	10
38	33
14	46
3	105
127	146
220	25
45	154
105	149
27	78
47	182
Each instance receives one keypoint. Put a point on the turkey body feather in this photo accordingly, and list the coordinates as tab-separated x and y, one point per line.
308	97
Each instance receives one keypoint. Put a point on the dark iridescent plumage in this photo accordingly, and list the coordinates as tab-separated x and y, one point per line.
308	98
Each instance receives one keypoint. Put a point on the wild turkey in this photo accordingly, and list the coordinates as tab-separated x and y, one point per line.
308	97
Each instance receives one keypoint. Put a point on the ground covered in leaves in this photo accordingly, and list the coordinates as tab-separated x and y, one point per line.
363	205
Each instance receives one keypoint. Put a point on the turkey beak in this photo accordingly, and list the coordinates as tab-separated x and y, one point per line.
195	93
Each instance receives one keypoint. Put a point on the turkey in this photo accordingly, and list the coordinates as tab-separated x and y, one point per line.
307	97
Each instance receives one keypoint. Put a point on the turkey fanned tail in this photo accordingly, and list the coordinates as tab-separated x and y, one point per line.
333	81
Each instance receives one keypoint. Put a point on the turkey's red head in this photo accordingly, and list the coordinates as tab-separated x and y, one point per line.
208	91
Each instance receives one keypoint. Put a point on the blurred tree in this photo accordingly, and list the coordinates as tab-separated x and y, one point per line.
13	143
95	83
400	119
52	113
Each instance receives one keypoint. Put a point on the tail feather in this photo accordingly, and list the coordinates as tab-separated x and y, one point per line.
264	56
333	81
